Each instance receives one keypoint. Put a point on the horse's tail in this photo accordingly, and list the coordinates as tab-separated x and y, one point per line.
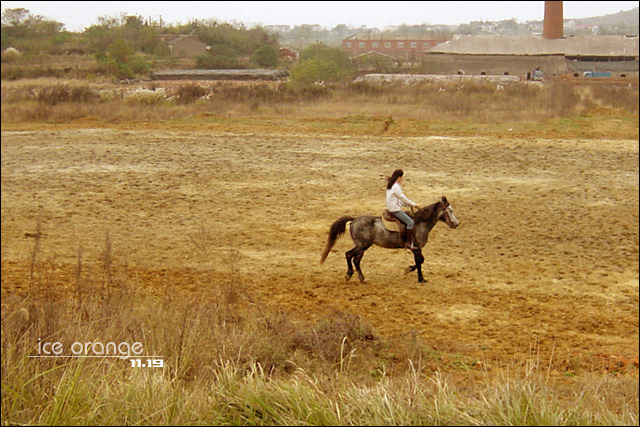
335	232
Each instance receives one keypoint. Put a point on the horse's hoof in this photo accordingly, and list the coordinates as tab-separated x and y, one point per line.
409	270
422	281
347	277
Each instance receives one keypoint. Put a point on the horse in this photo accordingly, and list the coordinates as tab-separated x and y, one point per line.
368	230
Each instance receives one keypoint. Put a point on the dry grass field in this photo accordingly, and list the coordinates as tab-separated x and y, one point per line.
542	270
545	259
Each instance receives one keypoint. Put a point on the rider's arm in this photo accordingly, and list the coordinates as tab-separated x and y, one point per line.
404	200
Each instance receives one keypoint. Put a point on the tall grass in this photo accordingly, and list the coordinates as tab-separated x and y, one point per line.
228	360
480	102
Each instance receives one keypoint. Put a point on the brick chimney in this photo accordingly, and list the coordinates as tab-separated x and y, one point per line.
553	20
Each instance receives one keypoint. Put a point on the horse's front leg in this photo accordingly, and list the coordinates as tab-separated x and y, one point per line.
419	258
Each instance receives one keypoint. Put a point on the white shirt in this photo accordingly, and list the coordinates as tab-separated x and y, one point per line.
396	199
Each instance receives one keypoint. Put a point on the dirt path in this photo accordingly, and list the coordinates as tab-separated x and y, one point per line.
545	259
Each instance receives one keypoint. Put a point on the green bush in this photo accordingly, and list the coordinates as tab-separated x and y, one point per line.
121	62
266	56
315	71
139	65
323	64
330	54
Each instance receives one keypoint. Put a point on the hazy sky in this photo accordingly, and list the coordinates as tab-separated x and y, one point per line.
77	15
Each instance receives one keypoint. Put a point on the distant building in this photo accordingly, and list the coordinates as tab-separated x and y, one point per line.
278	28
402	47
484	27
518	55
184	46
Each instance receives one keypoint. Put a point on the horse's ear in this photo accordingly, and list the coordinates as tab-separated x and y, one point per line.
444	200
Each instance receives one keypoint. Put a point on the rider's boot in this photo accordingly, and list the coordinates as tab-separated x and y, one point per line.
410	240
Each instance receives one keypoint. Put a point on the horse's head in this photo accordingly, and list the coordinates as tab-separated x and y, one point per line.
445	213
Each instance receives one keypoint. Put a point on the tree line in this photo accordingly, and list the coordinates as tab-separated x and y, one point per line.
127	46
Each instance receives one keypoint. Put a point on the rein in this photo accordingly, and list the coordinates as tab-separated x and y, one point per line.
427	213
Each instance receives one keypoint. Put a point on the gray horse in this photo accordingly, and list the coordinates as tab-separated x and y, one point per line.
369	230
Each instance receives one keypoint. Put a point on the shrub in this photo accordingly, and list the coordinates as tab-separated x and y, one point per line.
59	93
188	93
266	56
321	51
145	96
121	62
315	71
320	63
10	54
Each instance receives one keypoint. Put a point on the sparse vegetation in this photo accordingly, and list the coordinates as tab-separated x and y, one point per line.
228	361
415	109
125	47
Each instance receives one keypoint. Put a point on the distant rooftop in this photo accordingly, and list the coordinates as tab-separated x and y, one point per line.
378	36
537	45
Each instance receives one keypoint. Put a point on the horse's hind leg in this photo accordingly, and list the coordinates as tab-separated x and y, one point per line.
349	255
356	261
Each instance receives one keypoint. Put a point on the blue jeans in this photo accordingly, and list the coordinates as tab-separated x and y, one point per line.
406	219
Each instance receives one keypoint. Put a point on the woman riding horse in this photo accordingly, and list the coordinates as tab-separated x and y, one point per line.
368	230
396	200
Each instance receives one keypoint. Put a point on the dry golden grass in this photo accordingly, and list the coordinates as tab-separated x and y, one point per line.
228	361
562	108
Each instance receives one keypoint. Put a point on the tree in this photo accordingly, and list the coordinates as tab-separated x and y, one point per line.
311	71
508	26
121	60
319	62
130	28
266	56
231	40
27	32
331	54
302	34
466	29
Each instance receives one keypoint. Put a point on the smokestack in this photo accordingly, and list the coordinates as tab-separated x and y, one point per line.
553	20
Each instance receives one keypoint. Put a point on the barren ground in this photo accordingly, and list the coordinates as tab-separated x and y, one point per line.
545	260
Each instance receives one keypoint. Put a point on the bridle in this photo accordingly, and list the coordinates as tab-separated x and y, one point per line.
447	216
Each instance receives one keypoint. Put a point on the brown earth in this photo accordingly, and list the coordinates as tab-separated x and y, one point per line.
544	263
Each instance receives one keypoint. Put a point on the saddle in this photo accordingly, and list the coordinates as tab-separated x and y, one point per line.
392	223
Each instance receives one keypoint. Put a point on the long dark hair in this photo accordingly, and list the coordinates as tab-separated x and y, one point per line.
392	179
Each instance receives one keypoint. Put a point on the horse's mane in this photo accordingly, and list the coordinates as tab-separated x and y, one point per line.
427	213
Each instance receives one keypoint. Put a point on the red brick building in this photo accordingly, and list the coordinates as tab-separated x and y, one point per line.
400	47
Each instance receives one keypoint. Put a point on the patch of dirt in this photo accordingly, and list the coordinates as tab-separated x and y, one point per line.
545	260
